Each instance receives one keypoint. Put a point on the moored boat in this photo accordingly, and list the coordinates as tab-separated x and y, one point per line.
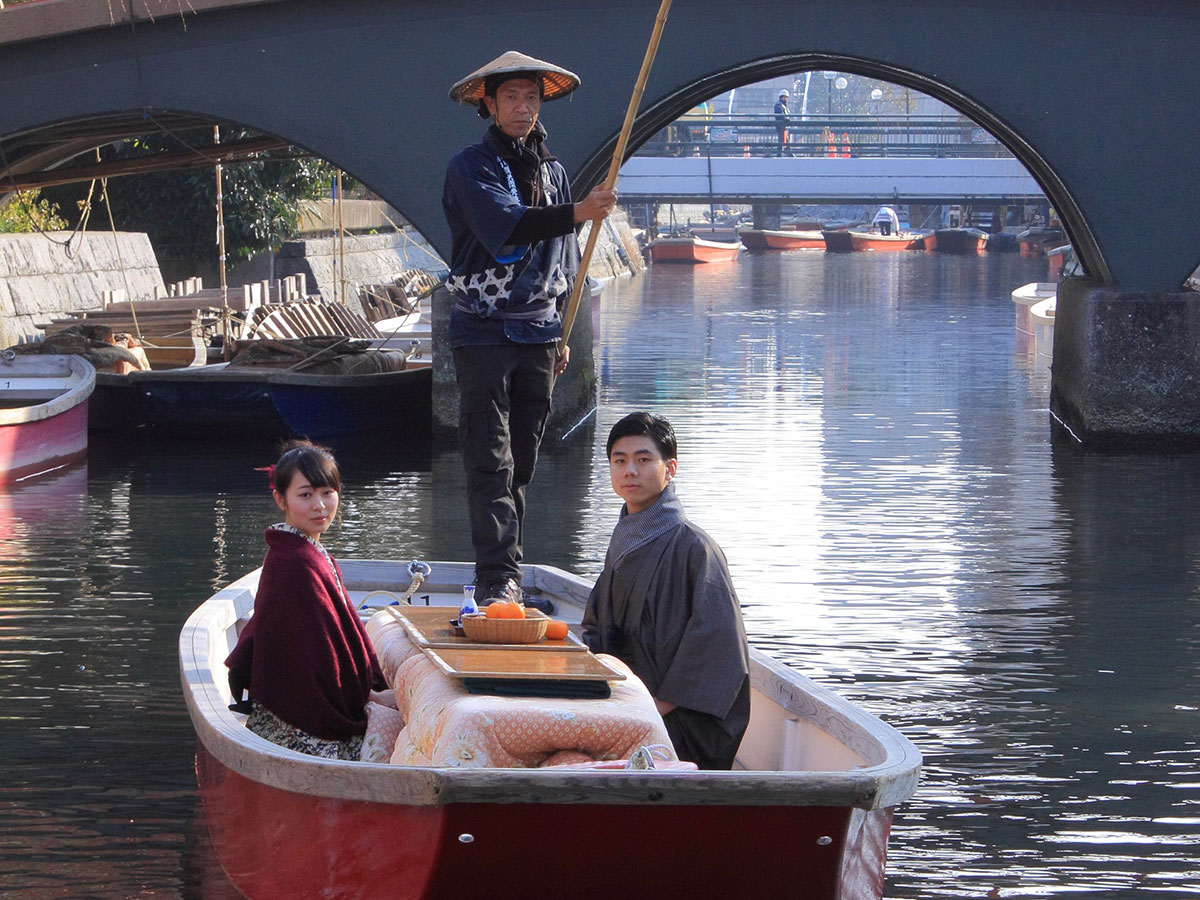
1058	258
390	396
1039	239
838	241
805	813
886	243
1026	296
753	239
759	239
960	240
43	412
1041	316
693	250
794	240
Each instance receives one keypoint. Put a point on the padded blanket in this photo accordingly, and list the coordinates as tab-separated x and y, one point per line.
446	726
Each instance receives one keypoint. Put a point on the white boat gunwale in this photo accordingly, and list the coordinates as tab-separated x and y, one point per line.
887	776
74	373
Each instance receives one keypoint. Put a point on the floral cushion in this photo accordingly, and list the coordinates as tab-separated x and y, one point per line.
446	726
391	642
383	727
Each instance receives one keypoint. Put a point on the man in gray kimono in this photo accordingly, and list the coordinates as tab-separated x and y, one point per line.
665	605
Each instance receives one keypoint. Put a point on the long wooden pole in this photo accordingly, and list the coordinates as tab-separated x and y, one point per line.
613	168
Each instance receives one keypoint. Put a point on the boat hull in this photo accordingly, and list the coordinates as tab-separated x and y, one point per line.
960	240
838	242
44	436
534	851
753	239
891	243
794	240
760	239
262	403
694	250
1041	316
805	813
324	406
1024	298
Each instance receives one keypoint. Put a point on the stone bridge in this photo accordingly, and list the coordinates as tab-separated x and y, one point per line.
1094	97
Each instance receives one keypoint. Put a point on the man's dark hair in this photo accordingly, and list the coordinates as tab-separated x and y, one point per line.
644	423
492	83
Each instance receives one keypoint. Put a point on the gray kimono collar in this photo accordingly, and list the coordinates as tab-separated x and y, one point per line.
638	529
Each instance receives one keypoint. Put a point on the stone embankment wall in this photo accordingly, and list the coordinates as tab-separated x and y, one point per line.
42	277
369	259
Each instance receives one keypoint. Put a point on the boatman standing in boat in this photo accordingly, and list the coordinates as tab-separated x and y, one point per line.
887	220
513	262
665	604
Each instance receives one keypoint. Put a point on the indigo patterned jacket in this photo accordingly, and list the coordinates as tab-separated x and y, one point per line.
505	293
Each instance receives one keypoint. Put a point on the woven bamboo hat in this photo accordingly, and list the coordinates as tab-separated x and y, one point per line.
556	81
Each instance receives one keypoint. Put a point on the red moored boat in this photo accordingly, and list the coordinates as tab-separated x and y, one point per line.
960	240
886	243
43	412
794	240
805	813
754	239
782	239
693	250
1039	240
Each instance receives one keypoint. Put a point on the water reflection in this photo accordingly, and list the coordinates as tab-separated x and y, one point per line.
867	440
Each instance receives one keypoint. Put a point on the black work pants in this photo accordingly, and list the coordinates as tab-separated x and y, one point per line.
504	401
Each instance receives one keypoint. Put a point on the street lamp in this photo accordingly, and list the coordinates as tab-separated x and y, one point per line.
829	76
876	98
840	83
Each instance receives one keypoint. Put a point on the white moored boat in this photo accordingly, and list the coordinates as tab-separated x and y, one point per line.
806	811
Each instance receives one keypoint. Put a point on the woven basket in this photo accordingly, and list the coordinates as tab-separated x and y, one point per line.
529	630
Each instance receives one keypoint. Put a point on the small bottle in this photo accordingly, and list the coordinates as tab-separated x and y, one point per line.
468	602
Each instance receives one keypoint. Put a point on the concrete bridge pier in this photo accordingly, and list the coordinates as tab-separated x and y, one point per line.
765	216
1126	367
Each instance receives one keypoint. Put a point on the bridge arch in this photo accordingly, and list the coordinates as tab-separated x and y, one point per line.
363	83
671	106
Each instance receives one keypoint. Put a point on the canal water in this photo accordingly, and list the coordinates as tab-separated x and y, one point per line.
869	441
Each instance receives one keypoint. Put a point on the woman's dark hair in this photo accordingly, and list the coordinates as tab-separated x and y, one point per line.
314	462
644	423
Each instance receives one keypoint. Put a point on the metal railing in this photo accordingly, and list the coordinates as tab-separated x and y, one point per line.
832	136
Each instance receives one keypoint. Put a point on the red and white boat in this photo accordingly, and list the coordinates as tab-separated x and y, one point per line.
794	240
960	240
43	412
753	239
806	811
693	250
887	243
781	239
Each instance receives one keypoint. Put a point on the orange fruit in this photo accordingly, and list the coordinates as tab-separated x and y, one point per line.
505	609
556	630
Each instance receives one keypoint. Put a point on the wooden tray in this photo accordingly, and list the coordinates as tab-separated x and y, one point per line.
497	662
429	626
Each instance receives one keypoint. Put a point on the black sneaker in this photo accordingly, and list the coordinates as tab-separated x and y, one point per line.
505	589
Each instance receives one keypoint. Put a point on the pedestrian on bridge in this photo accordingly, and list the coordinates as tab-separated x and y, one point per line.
514	259
781	120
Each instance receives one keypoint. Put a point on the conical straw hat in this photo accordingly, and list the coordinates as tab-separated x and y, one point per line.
556	81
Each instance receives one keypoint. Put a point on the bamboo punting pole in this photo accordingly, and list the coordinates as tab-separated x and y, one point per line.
613	168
